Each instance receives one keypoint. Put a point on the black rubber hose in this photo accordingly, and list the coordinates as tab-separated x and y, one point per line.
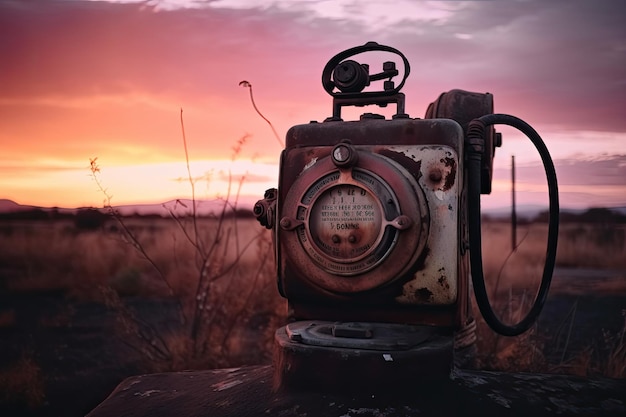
475	143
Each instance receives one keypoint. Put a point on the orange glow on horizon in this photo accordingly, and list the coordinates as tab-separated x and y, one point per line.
142	184
108	79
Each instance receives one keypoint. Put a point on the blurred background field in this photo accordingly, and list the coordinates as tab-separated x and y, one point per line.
582	327
86	300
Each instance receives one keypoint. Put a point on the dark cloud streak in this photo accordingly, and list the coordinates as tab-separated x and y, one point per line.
559	63
607	171
84	48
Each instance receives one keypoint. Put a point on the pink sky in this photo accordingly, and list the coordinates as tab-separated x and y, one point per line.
107	79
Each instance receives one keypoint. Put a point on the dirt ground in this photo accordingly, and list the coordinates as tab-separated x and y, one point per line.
75	358
75	347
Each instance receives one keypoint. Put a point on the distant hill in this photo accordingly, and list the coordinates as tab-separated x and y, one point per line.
528	211
184	206
531	211
208	207
8	206
179	207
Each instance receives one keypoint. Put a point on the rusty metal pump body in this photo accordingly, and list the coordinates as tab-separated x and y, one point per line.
373	222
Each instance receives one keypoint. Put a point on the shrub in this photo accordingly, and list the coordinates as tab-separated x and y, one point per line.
89	219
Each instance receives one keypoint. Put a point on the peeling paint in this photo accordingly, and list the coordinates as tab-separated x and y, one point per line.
439	179
473	381
225	370
220	386
364	411
500	400
135	382
423	294
147	393
310	164
451	176
443	281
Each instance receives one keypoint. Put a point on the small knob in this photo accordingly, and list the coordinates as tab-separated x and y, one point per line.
344	154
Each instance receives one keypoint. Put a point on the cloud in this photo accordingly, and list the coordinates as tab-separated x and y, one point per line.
9	171
609	170
603	170
108	78
558	63
247	177
94	48
583	182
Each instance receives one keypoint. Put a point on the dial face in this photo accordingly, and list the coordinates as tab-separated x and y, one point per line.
344	229
345	222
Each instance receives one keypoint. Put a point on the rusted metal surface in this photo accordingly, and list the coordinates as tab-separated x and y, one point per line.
391	357
350	78
364	336
405	252
247	392
328	206
436	282
464	106
358	309
265	210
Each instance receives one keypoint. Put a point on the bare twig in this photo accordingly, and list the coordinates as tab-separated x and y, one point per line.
249	86
252	291
213	261
198	242
95	170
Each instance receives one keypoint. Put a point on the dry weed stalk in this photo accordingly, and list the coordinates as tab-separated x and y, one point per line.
127	232
217	255
152	344
248	85
615	364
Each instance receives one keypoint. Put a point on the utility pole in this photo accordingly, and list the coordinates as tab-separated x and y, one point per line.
513	212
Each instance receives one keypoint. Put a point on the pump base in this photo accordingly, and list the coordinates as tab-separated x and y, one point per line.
353	357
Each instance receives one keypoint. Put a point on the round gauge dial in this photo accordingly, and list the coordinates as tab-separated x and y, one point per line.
344	228
345	222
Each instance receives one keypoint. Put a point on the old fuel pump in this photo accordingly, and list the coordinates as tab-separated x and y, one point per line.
377	227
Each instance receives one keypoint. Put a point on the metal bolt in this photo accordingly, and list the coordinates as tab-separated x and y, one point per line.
435	175
336	238
341	153
351	238
285	222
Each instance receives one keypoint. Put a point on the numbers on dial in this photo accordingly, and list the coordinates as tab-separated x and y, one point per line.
345	221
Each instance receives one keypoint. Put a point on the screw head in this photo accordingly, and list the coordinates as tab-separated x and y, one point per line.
435	175
341	153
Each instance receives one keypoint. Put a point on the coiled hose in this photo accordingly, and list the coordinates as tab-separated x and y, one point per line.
475	146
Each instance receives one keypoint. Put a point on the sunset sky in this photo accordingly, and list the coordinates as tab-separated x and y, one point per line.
108	79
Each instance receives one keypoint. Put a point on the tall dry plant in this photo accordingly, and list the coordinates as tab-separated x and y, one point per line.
218	255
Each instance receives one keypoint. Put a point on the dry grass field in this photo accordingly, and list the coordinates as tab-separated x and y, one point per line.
171	301
590	271
157	299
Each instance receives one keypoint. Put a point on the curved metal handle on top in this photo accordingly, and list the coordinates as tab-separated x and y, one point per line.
329	85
